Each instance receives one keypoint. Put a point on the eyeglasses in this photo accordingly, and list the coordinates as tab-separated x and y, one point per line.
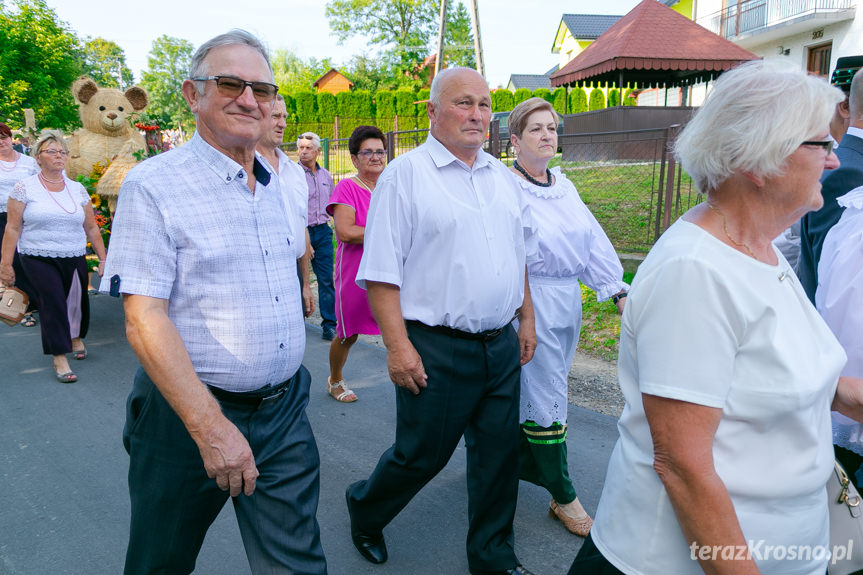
369	153
828	145
53	153
232	87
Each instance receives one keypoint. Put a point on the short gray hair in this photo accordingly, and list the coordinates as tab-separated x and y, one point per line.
198	64
439	79
755	116
519	115
46	137
316	140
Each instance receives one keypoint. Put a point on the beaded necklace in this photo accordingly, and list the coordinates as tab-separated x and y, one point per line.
43	179
531	179
14	163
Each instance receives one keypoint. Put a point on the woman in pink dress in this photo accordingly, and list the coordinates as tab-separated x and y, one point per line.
349	205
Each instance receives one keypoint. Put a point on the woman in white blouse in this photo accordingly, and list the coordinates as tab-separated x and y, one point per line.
571	247
50	219
14	167
727	370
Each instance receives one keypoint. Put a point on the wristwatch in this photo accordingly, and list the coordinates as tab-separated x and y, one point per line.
618	297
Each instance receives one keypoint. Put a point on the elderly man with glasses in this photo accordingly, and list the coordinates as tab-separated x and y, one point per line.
320	184
204	256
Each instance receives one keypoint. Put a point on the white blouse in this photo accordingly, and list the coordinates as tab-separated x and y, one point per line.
839	299
13	172
53	222
571	243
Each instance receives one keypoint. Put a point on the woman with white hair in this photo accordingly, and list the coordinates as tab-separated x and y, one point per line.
727	370
50	219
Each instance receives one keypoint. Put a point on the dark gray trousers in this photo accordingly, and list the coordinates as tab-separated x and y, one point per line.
174	502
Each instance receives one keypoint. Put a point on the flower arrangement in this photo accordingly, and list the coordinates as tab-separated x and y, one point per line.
103	215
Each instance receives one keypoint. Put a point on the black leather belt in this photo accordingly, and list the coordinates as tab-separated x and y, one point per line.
452	332
257	397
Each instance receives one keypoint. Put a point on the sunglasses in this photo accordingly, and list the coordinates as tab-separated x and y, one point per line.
828	145
369	153
232	87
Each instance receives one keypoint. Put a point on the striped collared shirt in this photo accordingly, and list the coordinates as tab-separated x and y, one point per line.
188	229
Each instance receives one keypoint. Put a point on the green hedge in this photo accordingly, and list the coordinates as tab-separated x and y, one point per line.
422	114
628	98
578	101
597	99
326	107
520	96
406	110
558	100
502	101
613	97
306	107
543	93
385	104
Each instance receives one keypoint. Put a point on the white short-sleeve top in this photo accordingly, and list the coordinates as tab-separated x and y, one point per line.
53	222
709	325
13	172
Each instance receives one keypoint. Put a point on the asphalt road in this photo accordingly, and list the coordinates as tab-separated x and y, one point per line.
64	505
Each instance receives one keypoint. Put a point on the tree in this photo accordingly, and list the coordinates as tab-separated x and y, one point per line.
458	39
521	95
293	74
577	101
105	62
40	57
167	68
502	101
402	27
597	99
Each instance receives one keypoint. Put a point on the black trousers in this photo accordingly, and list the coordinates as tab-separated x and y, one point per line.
473	390
21	281
61	316
174	502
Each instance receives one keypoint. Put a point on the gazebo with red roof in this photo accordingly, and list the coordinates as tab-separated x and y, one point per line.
653	45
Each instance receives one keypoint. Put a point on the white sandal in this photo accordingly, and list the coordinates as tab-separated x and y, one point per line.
346	392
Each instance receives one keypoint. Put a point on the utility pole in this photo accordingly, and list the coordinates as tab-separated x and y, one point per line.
477	41
442	32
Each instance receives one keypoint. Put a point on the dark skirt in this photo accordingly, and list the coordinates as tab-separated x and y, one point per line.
21	281
64	307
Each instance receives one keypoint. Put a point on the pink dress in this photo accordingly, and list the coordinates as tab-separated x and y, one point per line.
353	314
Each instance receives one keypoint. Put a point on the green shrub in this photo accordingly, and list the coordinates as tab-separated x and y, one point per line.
422	114
543	93
597	99
629	99
520	96
306	107
406	110
290	108
577	101
558	100
613	97
363	104
502	101
385	104
326	107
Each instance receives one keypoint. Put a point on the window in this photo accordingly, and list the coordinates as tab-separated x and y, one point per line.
818	62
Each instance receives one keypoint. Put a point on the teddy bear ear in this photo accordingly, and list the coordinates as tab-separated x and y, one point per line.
137	97
83	89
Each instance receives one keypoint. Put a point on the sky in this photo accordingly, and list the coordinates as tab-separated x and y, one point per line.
516	34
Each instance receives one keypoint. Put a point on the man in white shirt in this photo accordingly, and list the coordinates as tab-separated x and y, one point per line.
292	181
444	266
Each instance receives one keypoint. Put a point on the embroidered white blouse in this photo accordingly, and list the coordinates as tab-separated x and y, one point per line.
13	172
53	222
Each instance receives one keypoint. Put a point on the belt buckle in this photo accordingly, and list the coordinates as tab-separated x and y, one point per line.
493	334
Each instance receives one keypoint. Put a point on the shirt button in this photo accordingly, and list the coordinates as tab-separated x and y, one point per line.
240	175
266	252
229	178
281	346
277	298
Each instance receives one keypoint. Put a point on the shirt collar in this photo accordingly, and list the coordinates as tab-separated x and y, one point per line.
309	170
442	157
227	169
854	131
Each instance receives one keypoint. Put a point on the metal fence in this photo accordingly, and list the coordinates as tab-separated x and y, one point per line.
629	179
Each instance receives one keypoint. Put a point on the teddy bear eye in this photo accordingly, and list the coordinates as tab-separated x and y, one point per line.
101	108
120	108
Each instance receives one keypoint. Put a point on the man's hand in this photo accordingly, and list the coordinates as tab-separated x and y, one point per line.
526	339
406	368
308	300
227	457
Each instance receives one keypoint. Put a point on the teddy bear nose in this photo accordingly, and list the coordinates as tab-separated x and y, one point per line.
112	116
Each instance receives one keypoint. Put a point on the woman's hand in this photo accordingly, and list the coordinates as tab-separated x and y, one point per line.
101	269
7	275
849	398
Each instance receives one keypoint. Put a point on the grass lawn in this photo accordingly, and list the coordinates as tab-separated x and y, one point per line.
600	325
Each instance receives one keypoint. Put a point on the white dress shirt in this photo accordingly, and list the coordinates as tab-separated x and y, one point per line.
839	299
292	181
450	236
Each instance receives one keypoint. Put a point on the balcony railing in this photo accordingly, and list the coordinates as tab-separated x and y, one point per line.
749	16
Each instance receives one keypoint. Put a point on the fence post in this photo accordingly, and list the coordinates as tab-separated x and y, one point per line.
395	131
391	146
335	127
657	229
494	136
671	136
325	152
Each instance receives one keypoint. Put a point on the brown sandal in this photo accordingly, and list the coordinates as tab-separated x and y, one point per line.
580	527
345	395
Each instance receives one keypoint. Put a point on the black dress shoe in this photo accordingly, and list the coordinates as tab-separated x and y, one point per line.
517	570
372	547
